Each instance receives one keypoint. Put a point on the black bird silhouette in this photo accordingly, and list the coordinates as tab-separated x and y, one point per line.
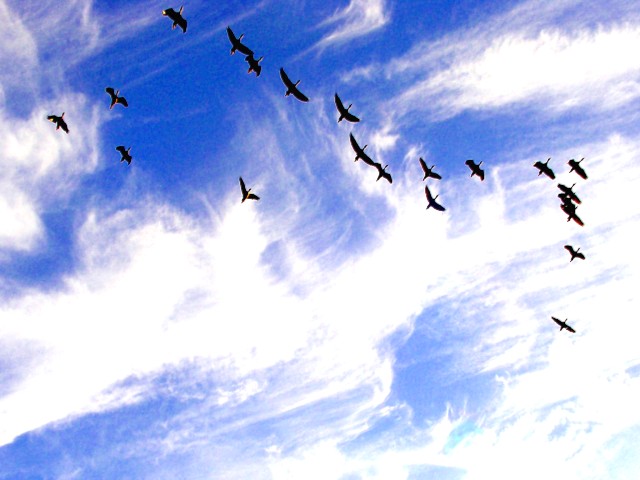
115	98
428	172
236	44
254	65
177	18
575	166
475	169
126	156
360	152
246	194
574	253
570	209
545	168
569	192
292	88
432	200
59	121
382	173
344	112
563	325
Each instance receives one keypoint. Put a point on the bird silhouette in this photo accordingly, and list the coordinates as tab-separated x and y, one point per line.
575	166
475	169
246	194
344	112
382	173
59	121
545	168
177	18
432	200
563	325
574	253
254	65
236	43
569	192
292	88
115	98
126	156
428	172
570	209
360	152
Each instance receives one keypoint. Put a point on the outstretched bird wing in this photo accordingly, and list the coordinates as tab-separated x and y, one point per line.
432	201
110	91
121	149
285	79
253	196
243	188
559	322
570	328
339	104
299	95
123	101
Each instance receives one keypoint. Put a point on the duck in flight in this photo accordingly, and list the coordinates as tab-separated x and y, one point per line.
178	19
574	253
568	191
570	209
563	325
382	172
236	43
475	169
545	168
344	112
360	152
59	121
292	88
575	166
254	65
432	200
115	98
428	172
246	194
126	156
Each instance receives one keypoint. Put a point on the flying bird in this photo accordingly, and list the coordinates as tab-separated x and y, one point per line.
292	88
475	169
563	325
177	18
115	98
236	43
59	121
246	194
575	166
570	209
254	65
574	253
126	156
360	152
428	172
432	200
569	192
344	112
382	172
545	168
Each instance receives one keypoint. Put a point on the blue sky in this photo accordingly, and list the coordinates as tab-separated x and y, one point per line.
153	327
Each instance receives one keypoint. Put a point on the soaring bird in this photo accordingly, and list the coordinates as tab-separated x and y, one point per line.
382	172
126	156
570	209
575	166
59	121
428	172
360	152
236	43
254	65
344	112
115	98
292	88
432	200
545	168
475	169
563	325
247	193
569	192
177	18
574	253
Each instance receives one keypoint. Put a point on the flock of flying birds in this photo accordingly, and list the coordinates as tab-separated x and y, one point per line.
569	199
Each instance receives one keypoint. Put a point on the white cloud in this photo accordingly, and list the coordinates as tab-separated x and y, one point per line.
359	18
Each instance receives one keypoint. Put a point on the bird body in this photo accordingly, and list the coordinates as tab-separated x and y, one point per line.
563	325
292	88
574	253
178	19
575	166
254	65
545	168
475	169
568	191
428	172
344	112
59	121
432	200
236	43
246	193
115	98
126	156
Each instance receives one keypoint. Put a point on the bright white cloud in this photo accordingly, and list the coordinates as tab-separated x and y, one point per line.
359	18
